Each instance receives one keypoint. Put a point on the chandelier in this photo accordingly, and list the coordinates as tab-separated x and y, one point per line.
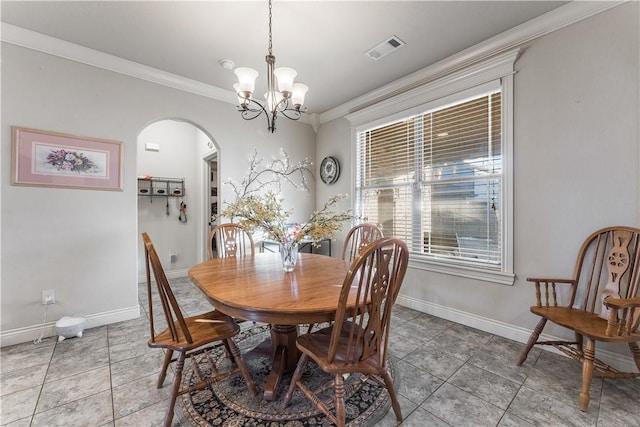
287	100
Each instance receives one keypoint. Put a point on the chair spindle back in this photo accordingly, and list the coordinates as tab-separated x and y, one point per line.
173	314
231	240
375	276
358	238
609	261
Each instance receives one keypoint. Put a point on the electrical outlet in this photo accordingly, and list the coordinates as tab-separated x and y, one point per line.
174	257
48	297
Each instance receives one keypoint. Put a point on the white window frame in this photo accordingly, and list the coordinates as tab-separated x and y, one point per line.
439	91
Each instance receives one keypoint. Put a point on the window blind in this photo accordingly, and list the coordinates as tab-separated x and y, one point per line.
434	180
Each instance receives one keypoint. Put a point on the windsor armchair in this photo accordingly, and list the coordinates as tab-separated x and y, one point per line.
601	302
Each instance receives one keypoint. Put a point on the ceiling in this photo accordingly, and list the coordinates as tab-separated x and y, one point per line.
324	41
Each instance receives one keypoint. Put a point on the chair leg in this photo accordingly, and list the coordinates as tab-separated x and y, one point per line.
587	373
235	351
579	343
338	384
533	338
227	351
388	381
177	380
297	374
163	373
635	352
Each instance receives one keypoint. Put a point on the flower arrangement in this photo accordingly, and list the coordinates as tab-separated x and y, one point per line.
265	212
260	209
70	161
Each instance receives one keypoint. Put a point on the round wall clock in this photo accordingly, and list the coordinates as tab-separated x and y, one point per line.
329	170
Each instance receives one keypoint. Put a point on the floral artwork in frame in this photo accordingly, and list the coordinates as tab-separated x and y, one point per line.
53	159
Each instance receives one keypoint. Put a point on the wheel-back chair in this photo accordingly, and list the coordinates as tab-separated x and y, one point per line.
188	336
357	238
601	302
357	340
230	240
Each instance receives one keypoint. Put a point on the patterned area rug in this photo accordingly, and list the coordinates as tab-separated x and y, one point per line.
228	403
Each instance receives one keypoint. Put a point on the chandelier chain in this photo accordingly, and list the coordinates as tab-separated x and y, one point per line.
270	37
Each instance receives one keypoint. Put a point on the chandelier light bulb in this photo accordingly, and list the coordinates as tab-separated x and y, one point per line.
246	80
242	101
285	76
298	92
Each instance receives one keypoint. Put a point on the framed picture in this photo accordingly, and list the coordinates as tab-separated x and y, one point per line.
52	159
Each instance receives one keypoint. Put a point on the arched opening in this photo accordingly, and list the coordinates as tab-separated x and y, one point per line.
174	192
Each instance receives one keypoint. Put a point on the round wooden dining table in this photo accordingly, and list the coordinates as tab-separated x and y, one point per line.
255	287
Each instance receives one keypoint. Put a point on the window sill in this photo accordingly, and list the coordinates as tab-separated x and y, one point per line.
454	269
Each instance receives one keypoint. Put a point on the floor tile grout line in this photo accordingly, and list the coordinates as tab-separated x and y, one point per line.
113	405
44	379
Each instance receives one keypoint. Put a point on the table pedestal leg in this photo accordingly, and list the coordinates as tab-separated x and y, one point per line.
284	357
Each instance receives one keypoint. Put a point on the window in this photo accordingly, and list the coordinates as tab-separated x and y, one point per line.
433	179
438	174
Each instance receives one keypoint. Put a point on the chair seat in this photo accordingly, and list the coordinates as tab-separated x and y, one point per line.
585	323
316	345
204	328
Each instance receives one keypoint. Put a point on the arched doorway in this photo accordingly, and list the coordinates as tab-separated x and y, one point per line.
171	153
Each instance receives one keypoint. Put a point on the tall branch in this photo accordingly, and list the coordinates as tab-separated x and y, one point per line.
272	174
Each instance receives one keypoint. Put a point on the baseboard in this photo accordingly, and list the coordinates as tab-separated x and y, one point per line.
30	333
171	274
618	361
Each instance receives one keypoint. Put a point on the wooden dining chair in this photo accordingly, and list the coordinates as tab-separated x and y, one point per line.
357	340
188	336
357	238
600	302
230	240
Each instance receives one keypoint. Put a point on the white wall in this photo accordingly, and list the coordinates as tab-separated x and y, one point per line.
576	165
83	243
334	139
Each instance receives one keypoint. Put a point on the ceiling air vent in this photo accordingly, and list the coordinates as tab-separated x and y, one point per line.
385	48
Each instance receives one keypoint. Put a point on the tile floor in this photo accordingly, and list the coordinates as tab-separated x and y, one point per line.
448	375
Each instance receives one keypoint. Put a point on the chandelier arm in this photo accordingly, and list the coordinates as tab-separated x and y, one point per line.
291	113
249	113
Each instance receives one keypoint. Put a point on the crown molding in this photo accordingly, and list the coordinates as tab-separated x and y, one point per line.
554	20
50	45
28	39
551	21
475	75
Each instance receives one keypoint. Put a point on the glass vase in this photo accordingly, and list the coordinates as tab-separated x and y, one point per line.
289	254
